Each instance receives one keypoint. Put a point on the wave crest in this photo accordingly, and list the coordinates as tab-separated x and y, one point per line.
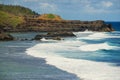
95	47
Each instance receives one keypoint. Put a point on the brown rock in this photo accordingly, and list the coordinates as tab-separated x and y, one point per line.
6	37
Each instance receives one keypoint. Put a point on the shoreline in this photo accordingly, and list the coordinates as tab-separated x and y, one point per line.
22	66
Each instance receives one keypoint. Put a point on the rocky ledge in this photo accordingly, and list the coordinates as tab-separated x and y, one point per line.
54	35
52	23
63	25
6	37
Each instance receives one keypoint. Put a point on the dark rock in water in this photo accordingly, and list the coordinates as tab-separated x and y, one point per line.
55	35
38	37
32	39
6	37
60	34
56	38
24	39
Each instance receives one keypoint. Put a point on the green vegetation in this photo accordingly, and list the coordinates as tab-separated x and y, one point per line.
10	20
51	16
16	10
11	16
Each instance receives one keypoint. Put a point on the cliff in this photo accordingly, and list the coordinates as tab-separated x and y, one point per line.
21	19
47	25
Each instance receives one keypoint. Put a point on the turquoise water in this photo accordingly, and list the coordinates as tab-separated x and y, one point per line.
89	56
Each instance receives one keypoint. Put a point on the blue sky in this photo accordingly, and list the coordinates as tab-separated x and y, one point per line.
108	10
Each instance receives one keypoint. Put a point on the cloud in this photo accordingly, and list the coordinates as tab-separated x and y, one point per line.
91	9
48	7
31	0
97	7
107	3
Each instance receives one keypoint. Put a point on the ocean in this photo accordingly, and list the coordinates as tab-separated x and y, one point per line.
89	56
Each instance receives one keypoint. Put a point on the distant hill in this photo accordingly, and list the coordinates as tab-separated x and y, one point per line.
9	20
11	16
16	10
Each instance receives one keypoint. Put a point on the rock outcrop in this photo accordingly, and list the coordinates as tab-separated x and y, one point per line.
63	25
54	23
55	35
6	37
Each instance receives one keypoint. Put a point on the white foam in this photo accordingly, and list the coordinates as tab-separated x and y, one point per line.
98	35
87	70
95	47
79	34
43	39
87	31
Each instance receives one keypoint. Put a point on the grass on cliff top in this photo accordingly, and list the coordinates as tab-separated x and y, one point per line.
50	17
7	19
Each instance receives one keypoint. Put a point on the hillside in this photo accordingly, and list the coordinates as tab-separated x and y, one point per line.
9	20
11	16
16	10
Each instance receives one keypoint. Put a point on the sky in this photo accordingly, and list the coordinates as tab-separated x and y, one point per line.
108	10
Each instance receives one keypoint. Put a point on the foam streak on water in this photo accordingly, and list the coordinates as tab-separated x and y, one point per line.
95	47
97	36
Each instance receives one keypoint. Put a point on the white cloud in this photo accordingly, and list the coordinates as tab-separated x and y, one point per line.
91	9
48	8
98	7
107	3
31	0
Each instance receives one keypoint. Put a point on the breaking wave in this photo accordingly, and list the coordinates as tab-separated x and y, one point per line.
97	36
87	70
95	47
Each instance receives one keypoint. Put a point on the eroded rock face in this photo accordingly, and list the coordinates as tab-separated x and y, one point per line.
6	37
64	25
54	23
55	35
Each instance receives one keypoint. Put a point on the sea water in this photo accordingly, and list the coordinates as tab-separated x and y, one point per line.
89	56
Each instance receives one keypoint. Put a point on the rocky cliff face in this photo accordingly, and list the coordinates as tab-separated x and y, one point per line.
37	23
64	25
